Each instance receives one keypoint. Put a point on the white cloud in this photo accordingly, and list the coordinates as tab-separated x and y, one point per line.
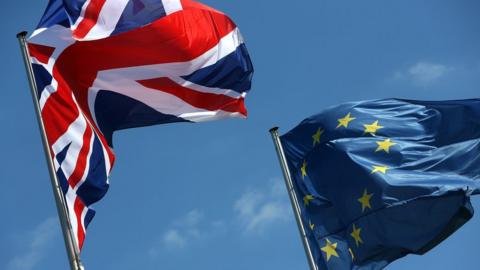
172	238
247	205
191	219
258	209
35	251
423	73
266	215
185	230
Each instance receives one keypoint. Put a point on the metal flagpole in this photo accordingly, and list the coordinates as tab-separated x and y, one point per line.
70	242
293	196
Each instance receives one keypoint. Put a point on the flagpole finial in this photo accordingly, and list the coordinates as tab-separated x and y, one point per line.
273	129
22	34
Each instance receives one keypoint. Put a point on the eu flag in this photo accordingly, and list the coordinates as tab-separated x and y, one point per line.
377	180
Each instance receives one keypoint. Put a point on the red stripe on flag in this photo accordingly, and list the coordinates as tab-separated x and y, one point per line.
41	52
90	18
78	209
201	100
81	162
58	113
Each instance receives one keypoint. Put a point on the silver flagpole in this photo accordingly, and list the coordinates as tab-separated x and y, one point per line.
70	242
293	196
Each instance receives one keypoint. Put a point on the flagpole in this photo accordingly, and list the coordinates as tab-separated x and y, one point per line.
70	243
292	195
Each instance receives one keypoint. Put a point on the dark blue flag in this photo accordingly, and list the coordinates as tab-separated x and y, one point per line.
377	180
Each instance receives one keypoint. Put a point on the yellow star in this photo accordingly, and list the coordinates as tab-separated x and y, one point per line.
311	225
385	145
351	253
372	128
307	199
343	122
382	169
330	249
356	235
365	200
304	169
316	137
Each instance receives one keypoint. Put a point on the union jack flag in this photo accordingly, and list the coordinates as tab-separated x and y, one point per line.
106	65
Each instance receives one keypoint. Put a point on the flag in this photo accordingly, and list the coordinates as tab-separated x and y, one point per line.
106	65
376	180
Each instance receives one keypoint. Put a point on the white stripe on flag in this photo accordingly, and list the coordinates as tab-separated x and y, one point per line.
204	89
84	213
74	137
70	200
172	6
107	21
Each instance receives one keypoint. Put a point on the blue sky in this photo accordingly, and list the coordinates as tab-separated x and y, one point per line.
210	195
